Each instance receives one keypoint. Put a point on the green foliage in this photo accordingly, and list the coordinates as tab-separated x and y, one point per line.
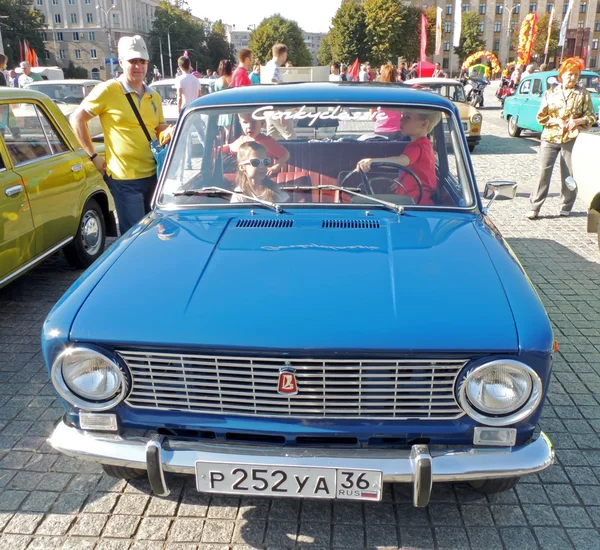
324	55
385	21
349	34
76	72
217	48
540	40
411	32
277	29
24	23
471	39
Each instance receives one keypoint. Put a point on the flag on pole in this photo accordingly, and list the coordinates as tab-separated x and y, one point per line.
549	31
438	31
458	23
21	56
565	25
423	38
354	70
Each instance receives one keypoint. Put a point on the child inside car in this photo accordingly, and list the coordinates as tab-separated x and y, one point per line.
418	155
252	132
252	180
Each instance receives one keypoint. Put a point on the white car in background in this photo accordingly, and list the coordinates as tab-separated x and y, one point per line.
168	95
68	94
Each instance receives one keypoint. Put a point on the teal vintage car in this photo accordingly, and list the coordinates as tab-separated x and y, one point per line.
521	109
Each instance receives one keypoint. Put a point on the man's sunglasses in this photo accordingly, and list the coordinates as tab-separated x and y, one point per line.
138	61
256	162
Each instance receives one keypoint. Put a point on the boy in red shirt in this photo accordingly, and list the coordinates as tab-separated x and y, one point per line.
417	155
251	129
240	75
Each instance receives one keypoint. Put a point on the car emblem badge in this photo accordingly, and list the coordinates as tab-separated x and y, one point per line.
287	382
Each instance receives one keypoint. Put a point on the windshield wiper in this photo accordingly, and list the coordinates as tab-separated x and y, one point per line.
399	209
220	190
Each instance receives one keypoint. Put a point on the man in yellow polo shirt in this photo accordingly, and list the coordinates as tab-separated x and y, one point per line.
130	168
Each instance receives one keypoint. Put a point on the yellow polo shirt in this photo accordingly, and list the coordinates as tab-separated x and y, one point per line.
128	154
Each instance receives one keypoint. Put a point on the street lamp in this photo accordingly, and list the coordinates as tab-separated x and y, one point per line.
508	29
169	41
110	50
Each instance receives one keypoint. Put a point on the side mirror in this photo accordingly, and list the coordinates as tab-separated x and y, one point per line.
502	190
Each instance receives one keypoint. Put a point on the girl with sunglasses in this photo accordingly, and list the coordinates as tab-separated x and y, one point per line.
252	180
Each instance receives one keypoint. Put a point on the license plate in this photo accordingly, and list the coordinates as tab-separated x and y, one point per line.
288	481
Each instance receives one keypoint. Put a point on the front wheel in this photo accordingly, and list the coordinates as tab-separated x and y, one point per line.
493	486
90	238
513	129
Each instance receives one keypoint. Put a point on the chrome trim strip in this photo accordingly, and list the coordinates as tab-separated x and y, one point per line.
31	263
447	465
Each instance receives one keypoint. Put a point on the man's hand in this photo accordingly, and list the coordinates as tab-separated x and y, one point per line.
364	165
100	164
572	124
557	122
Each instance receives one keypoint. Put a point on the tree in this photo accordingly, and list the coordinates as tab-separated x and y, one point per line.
277	29
411	32
471	38
76	72
384	20
324	55
540	40
348	34
217	47
24	22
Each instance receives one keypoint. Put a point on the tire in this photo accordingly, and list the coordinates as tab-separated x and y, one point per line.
121	472
90	239
493	486
513	129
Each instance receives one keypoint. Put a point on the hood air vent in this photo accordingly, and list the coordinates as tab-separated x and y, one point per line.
350	224
264	223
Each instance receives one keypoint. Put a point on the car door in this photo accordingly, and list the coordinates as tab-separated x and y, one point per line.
53	174
17	235
529	111
519	100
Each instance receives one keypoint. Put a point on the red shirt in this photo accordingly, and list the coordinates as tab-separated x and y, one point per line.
274	150
422	163
240	78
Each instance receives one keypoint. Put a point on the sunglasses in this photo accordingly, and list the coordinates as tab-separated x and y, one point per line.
256	162
138	61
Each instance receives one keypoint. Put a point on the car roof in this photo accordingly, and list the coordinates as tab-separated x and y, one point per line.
13	94
324	92
82	81
432	80
163	82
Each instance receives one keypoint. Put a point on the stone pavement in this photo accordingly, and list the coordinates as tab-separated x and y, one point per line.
49	501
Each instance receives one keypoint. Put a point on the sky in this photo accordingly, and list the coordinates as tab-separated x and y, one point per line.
311	15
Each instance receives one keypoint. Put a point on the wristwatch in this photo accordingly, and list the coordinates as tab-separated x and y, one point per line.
93	156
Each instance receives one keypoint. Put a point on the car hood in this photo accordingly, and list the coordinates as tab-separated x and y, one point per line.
420	281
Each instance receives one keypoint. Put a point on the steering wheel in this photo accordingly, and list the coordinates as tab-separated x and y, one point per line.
367	181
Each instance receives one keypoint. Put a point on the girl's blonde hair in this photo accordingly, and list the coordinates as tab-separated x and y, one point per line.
389	74
243	181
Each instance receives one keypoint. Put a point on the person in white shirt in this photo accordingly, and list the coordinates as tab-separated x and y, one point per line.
271	74
187	85
335	75
363	75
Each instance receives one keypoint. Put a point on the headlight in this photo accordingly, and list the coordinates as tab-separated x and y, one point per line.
500	393
88	379
476	118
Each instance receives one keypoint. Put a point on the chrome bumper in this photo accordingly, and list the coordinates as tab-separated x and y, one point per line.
419	465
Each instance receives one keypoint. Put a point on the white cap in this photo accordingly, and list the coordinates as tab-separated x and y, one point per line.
132	47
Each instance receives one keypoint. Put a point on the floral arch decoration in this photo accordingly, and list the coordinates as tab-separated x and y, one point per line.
483	54
527	34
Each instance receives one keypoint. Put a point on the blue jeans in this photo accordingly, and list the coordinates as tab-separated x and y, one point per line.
132	199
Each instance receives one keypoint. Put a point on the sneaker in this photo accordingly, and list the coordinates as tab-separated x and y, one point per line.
565	213
532	215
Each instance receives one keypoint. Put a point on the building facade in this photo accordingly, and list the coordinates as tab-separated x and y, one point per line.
313	43
87	31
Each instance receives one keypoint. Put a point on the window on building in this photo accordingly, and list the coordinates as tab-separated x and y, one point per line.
532	7
40	2
565	7
481	26
583	7
92	36
447	46
595	44
55	2
447	27
499	9
513	26
496	44
592	62
465	7
445	63
59	36
517	9
71	2
449	9
598	7
549	7
57	18
44	36
580	24
61	54
89	17
482	8
73	18
75	37
116	19
77	54
497	26
47	54
88	1
93	54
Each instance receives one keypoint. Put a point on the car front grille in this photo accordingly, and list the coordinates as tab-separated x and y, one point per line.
417	389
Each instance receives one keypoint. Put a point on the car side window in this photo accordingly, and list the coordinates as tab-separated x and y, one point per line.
525	87
537	86
56	141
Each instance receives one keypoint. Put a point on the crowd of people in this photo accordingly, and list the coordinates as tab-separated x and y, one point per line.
19	76
342	73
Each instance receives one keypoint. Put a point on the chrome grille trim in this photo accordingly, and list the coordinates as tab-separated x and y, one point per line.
405	389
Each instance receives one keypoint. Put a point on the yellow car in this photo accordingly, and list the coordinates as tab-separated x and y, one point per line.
51	195
454	90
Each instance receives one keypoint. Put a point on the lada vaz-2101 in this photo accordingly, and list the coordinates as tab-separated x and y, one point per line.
317	305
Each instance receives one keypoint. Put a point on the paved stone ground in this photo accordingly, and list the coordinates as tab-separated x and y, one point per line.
49	501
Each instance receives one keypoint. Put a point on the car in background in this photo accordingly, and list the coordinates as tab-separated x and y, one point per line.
521	109
454	90
315	338
51	195
168	95
68	94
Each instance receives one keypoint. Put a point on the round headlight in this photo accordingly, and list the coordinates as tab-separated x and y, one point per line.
476	118
88	379
501	392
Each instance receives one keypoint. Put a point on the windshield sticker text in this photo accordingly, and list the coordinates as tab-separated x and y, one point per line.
339	113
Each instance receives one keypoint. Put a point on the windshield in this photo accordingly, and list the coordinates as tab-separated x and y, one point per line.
452	92
166	92
67	93
304	154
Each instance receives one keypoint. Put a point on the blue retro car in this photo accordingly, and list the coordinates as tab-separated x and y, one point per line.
317	305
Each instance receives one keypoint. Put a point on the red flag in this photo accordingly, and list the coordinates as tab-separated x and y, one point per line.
21	55
354	70
423	38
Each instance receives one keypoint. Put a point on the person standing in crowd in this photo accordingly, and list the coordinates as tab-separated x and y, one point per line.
515	77
565	110
28	75
543	67
412	73
438	73
389	126
13	78
240	75
278	129
187	85
344	74
3	61
335	75
255	74
130	168
225	71
529	70
402	72
362	74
